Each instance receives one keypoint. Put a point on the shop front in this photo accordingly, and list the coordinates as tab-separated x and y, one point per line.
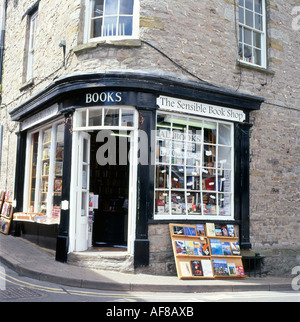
102	157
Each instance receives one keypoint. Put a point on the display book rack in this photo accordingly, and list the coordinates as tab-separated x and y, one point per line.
206	251
6	211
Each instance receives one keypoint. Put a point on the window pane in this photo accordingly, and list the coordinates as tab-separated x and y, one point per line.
241	15
242	3
194	203
127	118
224	134
163	151
257	39
248	54
177	152
33	171
162	177
97	8
209	204
249	18
95	117
210	132
111	7
249	4
162	202
258	6
257	56
224	156
96	28
224	204
248	36
125	26
177	177
209	156
178	206
126	7
258	22
110	26
111	117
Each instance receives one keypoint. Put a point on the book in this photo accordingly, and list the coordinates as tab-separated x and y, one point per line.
197	268
189	245
200	230
220	267
218	230
178	230
58	168
231	269
235	248
226	248
216	247
160	206
180	247
210	229
240	271
224	231
198	248
189	231
206	267
231	231
57	185
185	269
205	250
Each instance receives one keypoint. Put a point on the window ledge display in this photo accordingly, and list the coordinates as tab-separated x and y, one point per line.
35	218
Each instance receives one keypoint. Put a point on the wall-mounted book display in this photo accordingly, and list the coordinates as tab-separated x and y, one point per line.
206	251
6	211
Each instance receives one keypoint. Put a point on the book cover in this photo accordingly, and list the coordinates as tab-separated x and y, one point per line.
185	269
205	250
240	271
180	247
235	248
216	247
224	231
197	268
226	248
231	269
206	267
210	228
198	248
189	231
220	267
231	231
189	245
160	206
178	230
200	230
4	208
57	185
218	230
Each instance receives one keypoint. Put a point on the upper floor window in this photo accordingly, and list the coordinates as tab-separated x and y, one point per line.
252	30
31	45
115	19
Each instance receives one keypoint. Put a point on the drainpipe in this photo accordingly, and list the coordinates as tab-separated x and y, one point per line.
2	35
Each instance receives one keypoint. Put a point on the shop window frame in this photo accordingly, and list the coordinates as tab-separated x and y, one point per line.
202	216
39	171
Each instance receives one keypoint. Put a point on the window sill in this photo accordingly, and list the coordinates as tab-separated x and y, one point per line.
107	43
254	67
27	85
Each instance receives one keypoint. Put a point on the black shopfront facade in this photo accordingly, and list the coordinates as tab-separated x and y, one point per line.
194	169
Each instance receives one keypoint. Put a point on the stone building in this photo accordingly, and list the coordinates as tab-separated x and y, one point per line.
228	68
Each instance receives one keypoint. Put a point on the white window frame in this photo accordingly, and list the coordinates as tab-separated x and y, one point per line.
31	44
253	29
187	216
28	164
88	19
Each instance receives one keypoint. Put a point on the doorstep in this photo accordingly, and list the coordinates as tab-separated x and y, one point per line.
112	260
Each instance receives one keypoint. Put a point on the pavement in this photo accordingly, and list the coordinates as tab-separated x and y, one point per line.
29	260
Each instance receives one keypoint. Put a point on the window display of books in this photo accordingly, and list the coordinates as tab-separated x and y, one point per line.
206	251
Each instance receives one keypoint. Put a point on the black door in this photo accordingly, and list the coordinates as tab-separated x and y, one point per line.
111	183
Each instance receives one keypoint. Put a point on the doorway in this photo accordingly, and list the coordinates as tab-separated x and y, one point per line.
110	183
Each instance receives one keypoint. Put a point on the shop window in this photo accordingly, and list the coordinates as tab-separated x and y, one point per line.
194	168
252	32
112	19
45	174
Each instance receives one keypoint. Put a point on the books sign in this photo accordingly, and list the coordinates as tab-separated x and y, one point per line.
200	109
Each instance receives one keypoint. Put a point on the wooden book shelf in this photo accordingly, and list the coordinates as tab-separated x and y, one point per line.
202	256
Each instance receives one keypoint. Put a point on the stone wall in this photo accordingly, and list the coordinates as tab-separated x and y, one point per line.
200	36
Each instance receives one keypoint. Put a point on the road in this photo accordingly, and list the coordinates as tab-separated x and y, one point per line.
17	288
